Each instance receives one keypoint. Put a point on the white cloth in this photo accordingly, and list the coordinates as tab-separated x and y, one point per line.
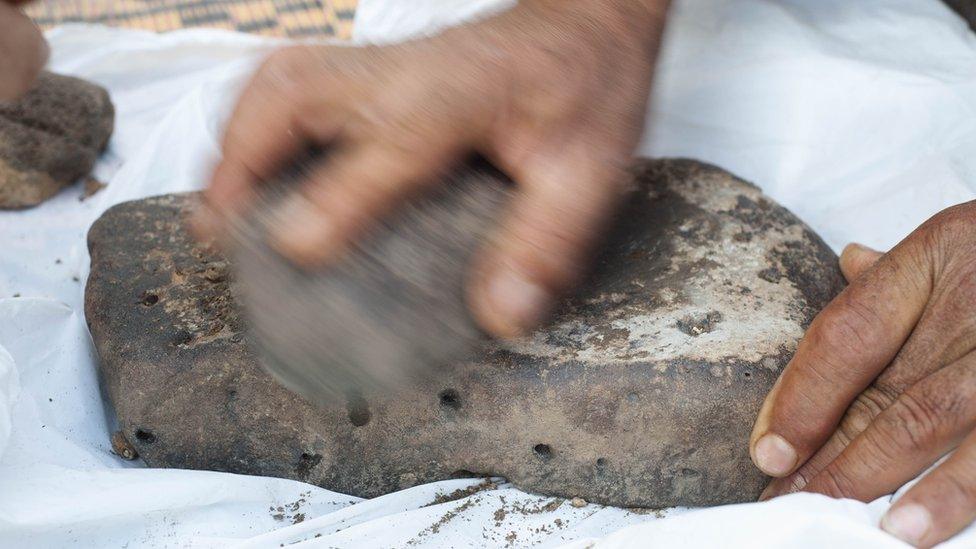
859	116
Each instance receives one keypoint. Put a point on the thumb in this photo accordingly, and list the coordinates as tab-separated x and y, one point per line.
857	258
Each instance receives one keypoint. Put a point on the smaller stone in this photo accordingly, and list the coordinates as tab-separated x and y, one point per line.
122	447
51	137
578	502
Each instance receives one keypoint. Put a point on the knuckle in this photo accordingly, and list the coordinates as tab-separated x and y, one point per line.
845	329
877	398
835	482
848	430
861	412
838	334
800	479
954	221
914	421
948	234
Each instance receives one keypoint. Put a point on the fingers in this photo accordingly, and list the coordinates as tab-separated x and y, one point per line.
847	345
859	416
265	131
941	504
354	189
23	52
541	248
857	258
925	422
943	336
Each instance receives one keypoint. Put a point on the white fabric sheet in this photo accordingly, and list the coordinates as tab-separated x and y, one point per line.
859	116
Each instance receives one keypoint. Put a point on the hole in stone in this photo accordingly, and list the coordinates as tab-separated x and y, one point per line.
747	374
143	435
358	409
601	462
700	324
307	462
771	274
450	399
542	450
182	337
149	299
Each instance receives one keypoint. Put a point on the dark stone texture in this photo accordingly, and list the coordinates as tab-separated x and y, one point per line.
51	137
642	392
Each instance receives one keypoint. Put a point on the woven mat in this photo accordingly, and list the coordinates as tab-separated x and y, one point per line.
295	18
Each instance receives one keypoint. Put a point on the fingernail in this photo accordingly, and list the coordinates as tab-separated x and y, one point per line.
301	229
520	302
774	456
908	523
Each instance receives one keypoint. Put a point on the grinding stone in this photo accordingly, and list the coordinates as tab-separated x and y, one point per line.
391	312
641	393
51	137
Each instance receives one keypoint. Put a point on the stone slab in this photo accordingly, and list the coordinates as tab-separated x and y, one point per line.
641	393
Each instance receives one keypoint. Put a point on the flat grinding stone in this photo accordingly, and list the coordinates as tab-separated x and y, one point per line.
642	392
51	137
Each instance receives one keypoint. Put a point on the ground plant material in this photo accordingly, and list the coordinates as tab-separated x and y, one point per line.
122	447
51	137
641	393
92	187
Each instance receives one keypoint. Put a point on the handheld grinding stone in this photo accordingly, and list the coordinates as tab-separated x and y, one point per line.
390	311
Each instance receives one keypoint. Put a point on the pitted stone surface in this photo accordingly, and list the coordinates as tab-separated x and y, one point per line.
51	137
641	393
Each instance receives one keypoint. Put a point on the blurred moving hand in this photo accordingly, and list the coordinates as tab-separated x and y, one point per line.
553	92
884	384
23	51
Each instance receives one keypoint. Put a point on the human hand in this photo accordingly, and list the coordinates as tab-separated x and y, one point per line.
883	384
23	52
553	92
